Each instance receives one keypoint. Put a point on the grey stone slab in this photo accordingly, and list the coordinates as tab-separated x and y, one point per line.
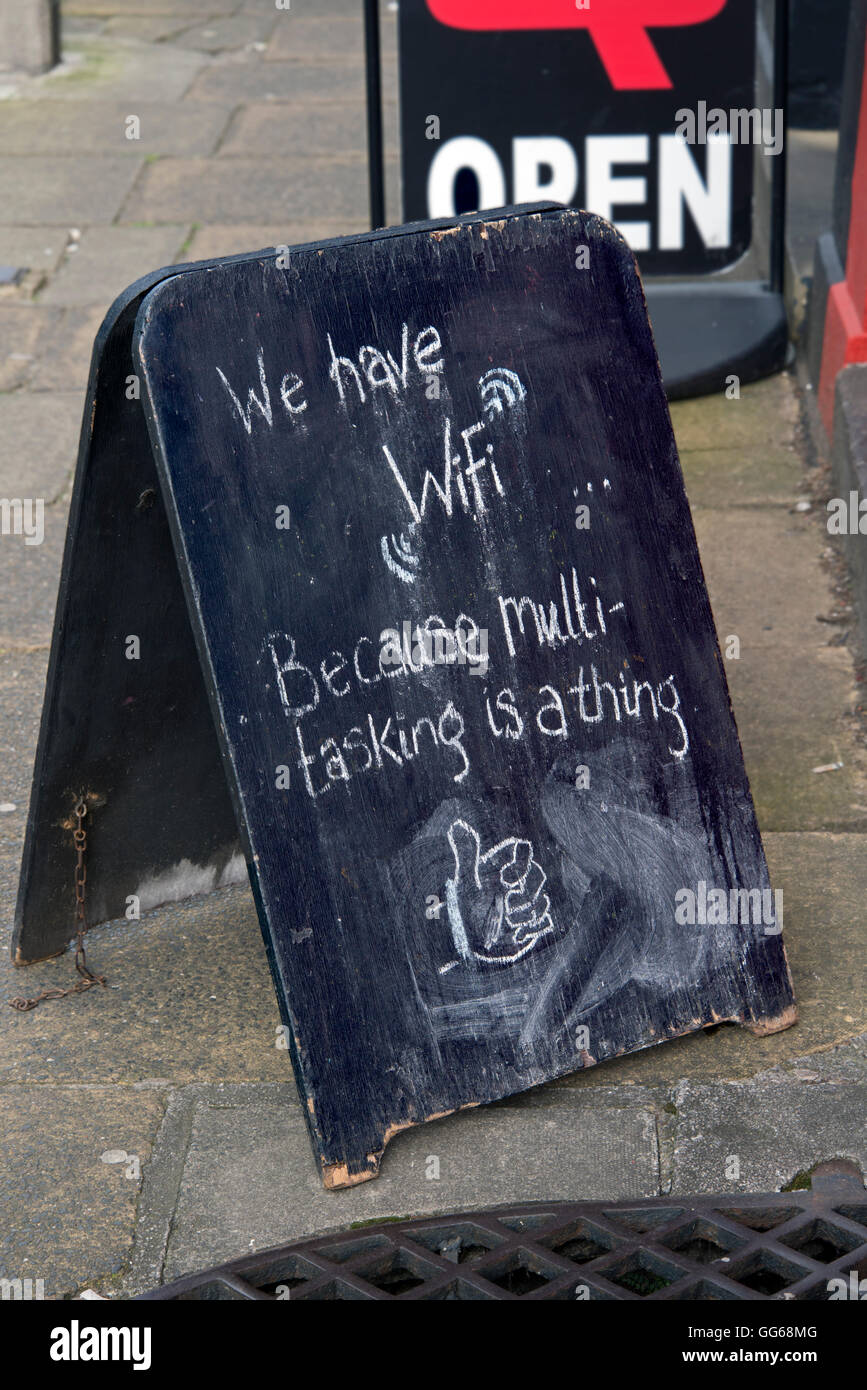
766	580
737	478
66	1216
65	191
38	444
848	1062
100	127
64	357
233	82
189	997
22	326
323	8
234	32
22	685
36	249
333	39
341	128
168	8
108	259
109	68
338	37
216	240
794	716
250	1181
765	415
146	28
774	1129
28	581
824	883
73	25
255	190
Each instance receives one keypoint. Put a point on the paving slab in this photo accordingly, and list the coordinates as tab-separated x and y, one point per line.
66	1216
765	416
63	362
65	191
22	326
36	249
338	37
38	444
331	40
28	582
236	31
234	82
100	127
216	240
326	8
22	682
767	581
786	739
255	190
189	999
729	477
145	28
149	7
249	1179
289	127
108	259
108	68
774	1128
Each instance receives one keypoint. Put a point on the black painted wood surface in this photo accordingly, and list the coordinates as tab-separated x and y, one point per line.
133	738
468	868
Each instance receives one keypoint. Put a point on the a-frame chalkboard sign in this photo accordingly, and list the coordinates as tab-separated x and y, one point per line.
398	525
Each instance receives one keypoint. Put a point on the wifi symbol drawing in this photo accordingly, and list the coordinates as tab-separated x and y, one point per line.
499	388
399	556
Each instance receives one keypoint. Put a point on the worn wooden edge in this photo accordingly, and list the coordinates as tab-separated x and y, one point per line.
337	1176
21	960
763	1027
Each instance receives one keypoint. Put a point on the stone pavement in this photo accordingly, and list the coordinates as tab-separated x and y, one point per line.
252	134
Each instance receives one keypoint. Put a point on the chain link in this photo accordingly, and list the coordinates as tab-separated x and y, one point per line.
88	978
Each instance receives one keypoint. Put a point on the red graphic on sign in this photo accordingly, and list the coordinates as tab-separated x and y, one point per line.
618	28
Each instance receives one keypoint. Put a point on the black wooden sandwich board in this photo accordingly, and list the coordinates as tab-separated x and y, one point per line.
447	666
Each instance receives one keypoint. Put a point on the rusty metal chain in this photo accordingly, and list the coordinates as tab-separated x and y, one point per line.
88	978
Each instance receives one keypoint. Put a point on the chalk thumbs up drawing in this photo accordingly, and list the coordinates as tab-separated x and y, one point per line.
497	909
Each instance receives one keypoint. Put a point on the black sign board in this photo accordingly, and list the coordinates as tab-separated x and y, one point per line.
660	115
508	101
429	520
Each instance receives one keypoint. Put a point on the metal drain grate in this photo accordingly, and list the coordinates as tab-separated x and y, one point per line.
785	1245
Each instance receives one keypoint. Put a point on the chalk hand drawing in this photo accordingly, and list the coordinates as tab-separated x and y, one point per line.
495	901
399	556
500	388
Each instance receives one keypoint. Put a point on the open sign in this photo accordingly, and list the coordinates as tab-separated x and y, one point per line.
580	103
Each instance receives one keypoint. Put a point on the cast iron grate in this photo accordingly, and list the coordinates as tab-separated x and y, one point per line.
771	1246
